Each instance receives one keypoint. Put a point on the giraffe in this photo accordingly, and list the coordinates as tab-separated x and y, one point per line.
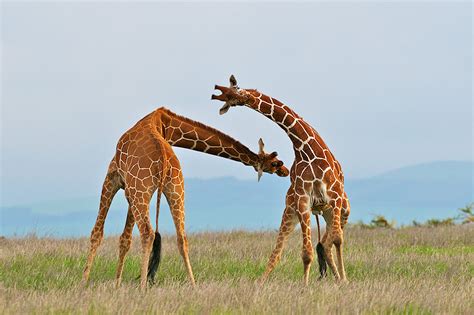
317	182
145	162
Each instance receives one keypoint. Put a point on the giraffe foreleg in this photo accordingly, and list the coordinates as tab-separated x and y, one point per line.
124	245
111	185
287	226
178	218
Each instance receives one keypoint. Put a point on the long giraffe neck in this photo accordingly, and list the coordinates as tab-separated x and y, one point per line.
186	133
300	132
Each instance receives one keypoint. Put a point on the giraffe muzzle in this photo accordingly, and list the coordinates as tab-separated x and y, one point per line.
223	97
283	172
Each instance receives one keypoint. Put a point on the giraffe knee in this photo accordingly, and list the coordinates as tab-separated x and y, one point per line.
96	238
338	238
328	243
324	237
150	236
182	244
307	257
147	237
125	242
335	236
124	237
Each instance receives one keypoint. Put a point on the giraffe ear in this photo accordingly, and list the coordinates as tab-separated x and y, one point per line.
261	146
224	109
233	81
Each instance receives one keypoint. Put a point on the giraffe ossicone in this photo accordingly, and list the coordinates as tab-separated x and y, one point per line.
317	180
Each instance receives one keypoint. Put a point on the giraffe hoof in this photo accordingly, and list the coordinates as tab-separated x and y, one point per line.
84	283
262	280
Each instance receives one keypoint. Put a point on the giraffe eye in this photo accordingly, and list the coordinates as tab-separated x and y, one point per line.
276	164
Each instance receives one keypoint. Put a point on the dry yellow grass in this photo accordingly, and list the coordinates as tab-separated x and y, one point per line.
412	270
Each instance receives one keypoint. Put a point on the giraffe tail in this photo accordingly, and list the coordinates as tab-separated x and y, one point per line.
320	252
321	260
155	256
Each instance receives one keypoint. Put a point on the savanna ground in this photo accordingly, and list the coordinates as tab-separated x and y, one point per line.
414	270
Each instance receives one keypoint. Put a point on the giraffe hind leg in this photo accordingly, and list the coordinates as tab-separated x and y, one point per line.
177	212
111	185
333	236
304	216
124	247
340	261
142	218
174	193
339	219
329	257
346	210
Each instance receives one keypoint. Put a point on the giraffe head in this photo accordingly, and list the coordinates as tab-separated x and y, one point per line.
232	96
269	163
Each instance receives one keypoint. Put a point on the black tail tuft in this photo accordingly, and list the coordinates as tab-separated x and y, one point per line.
155	258
321	260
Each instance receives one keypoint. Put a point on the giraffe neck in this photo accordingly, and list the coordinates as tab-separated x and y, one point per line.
183	132
300	132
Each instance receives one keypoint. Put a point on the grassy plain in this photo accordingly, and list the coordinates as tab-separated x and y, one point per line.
415	270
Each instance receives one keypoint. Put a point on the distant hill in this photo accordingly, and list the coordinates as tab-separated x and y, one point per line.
420	192
431	190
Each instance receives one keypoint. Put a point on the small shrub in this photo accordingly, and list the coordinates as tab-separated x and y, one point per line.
380	221
466	215
438	222
360	224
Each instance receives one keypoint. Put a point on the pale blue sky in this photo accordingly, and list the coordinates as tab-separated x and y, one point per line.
386	84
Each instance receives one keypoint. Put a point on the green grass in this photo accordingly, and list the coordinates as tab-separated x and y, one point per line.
414	270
